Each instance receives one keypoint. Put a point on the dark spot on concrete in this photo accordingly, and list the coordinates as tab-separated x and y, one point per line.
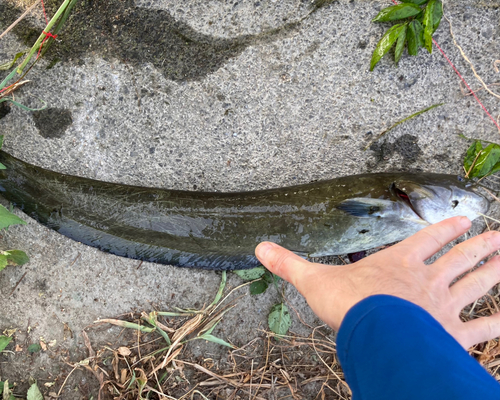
52	122
4	109
406	146
442	157
151	150
362	44
363	231
312	48
406	81
118	29
41	285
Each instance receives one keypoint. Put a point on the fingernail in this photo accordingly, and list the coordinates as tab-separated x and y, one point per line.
262	250
465	222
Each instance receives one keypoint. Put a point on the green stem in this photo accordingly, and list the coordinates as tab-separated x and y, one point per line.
37	44
59	25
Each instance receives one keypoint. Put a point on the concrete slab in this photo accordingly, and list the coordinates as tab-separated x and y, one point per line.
219	96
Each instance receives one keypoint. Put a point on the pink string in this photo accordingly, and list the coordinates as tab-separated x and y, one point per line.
47	34
461	77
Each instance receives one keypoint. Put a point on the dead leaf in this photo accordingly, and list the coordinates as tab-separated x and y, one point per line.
124	351
123	375
9	332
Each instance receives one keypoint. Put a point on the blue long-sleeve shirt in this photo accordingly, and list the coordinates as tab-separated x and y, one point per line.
390	349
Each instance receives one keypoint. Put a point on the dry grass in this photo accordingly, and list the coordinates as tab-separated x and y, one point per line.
267	367
486	353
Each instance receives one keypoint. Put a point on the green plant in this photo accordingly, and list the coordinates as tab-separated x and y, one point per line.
421	19
480	162
40	47
10	257
279	320
33	392
6	388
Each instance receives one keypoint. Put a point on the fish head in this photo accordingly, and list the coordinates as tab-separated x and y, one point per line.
439	197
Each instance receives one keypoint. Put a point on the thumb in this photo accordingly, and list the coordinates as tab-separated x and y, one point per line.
282	262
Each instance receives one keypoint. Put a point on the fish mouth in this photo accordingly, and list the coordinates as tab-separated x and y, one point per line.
400	194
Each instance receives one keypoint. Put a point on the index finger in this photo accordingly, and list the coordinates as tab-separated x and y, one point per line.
430	240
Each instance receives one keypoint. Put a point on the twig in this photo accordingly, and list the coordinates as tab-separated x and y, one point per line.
17	284
265	367
493	219
323	361
222	378
491	194
64	383
468	61
20	18
472	165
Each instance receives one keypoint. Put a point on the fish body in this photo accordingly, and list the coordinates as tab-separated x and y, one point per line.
221	230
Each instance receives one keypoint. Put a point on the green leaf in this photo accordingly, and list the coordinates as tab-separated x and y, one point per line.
129	325
34	348
2	166
400	45
4	341
394	13
475	148
7	79
495	168
419	2
222	285
250	274
258	287
486	161
7	218
432	18
385	44
15	257
279	319
215	339
10	64
23	107
437	14
415	37
34	393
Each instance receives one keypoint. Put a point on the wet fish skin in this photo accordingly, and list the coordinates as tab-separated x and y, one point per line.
221	230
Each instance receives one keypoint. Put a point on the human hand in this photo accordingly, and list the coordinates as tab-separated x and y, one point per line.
400	271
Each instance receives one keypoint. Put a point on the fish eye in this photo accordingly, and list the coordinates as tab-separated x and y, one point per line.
454	203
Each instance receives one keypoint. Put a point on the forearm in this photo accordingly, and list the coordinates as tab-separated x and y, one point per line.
392	349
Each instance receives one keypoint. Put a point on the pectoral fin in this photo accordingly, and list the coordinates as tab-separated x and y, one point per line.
365	207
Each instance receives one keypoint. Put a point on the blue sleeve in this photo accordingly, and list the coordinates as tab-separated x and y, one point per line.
390	349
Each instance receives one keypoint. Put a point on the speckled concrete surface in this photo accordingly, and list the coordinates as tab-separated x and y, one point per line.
221	96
